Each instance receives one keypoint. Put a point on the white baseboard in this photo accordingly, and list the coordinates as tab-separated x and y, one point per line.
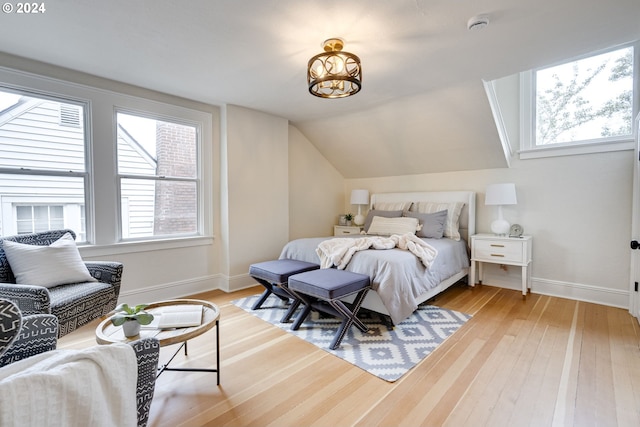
171	290
576	291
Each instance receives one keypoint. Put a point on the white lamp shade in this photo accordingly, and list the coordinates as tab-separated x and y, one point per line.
501	194
359	197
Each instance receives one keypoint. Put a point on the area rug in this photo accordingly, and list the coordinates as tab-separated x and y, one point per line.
385	352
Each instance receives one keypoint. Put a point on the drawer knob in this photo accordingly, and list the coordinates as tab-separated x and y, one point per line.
498	255
493	245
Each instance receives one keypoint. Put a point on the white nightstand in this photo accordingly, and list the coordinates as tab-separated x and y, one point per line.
501	250
341	230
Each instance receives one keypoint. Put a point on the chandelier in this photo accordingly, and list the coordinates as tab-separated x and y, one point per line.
334	73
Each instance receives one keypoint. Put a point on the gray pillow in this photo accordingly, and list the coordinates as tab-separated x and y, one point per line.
432	223
377	212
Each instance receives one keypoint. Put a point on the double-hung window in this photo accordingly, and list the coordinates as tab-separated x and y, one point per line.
584	105
43	163
158	176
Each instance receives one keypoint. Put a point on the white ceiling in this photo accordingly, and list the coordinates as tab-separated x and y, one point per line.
422	107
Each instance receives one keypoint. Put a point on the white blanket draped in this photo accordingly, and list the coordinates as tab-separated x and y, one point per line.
339	251
92	387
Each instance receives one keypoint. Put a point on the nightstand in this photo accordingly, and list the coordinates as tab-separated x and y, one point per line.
342	230
501	250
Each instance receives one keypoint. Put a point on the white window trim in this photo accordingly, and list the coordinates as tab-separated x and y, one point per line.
102	219
528	149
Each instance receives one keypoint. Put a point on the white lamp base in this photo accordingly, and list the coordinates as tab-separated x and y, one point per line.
358	219
500	227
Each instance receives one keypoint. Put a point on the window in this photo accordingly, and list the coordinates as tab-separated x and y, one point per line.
157	176
31	219
119	168
586	102
43	174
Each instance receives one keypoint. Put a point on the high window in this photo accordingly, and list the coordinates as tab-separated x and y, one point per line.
584	103
43	173
158	176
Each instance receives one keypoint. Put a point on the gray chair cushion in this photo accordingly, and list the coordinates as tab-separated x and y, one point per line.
328	283
278	271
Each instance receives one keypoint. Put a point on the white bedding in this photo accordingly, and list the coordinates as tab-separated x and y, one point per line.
339	251
91	387
397	275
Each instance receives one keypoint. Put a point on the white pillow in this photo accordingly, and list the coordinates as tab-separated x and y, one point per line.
382	226
392	206
48	266
451	228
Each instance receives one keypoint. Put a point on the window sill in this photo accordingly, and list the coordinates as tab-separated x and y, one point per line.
572	150
92	251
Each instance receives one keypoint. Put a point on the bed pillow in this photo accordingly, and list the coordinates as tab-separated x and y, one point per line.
452	226
382	226
433	224
375	212
57	264
392	206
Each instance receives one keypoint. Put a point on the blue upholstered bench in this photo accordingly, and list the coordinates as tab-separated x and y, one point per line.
322	290
273	275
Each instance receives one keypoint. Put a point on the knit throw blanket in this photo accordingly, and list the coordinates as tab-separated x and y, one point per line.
92	387
339	251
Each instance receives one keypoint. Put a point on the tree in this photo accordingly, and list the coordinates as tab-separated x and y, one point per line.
563	106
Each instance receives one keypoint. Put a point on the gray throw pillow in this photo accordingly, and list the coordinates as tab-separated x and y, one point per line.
432	223
376	212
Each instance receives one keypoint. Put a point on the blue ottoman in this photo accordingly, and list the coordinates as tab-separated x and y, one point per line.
322	290
273	275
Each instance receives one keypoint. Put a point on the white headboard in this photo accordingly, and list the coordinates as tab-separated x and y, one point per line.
467	216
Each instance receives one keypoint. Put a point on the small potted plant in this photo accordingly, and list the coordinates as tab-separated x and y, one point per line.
131	318
349	218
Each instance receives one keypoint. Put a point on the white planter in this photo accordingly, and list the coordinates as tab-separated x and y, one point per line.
131	328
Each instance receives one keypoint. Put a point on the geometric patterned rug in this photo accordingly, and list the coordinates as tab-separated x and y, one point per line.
385	352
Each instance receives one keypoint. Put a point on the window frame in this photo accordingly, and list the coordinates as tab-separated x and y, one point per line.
102	216
85	175
197	179
528	147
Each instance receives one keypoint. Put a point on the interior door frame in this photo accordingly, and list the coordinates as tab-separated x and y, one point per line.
634	293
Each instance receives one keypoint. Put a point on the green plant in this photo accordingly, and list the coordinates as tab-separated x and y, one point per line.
125	313
348	217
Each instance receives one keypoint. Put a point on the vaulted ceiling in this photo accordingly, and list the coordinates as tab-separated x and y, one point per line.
422	107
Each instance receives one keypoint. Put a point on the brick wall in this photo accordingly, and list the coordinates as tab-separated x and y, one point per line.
175	202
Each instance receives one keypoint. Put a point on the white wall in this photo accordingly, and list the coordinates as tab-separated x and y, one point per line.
578	210
256	191
316	190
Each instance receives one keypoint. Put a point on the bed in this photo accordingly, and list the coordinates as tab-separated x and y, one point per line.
400	282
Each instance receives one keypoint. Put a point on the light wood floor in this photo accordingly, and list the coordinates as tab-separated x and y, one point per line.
541	362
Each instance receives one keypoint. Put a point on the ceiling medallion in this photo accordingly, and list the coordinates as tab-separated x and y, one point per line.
334	73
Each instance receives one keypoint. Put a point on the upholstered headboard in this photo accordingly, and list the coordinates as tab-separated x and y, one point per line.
467	216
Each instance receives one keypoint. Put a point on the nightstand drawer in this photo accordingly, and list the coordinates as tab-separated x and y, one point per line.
344	230
497	251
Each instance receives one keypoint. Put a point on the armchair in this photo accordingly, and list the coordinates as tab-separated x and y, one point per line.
25	336
74	304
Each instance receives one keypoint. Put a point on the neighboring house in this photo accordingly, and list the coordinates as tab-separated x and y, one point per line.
35	131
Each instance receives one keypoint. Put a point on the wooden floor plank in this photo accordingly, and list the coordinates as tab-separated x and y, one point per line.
512	364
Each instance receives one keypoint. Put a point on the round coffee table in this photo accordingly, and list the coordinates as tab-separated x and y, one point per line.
106	333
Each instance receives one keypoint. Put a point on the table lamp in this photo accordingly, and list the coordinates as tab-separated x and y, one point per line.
359	197
498	195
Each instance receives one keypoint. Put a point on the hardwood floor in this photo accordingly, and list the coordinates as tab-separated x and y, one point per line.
541	362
